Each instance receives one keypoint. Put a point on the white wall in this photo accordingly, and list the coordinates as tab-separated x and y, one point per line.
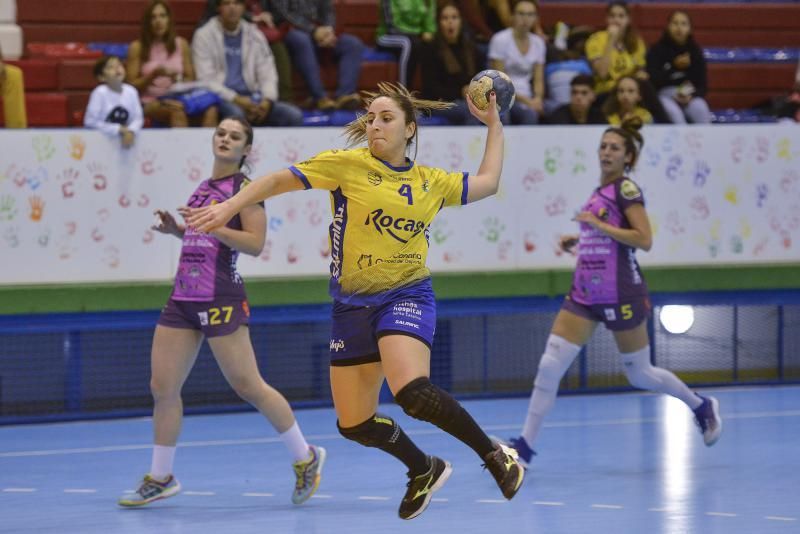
74	207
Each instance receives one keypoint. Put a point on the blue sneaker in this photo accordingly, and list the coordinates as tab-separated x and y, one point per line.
519	444
708	419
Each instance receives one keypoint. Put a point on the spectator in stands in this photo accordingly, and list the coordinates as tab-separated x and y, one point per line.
487	17
677	71
580	109
626	101
114	106
788	108
448	64
12	92
259	13
564	60
233	53
616	51
157	60
403	27
521	54
312	34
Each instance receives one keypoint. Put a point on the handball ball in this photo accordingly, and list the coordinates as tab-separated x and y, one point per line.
492	80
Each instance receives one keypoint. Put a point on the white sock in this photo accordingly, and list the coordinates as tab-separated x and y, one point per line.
162	462
296	443
643	375
558	356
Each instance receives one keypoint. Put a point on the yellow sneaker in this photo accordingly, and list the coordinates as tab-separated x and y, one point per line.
308	473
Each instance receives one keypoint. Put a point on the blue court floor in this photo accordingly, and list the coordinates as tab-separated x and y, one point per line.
622	463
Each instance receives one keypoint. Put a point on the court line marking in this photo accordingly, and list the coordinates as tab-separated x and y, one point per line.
381	498
418	432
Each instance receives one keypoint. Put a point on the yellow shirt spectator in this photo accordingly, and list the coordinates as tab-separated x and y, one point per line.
622	63
615	120
12	91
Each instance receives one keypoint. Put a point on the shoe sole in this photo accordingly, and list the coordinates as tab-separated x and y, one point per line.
716	435
317	479
166	495
448	470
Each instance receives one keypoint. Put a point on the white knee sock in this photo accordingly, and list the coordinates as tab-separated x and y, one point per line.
295	442
643	375
558	356
162	462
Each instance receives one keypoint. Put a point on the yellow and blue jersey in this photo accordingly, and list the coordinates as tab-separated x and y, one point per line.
381	219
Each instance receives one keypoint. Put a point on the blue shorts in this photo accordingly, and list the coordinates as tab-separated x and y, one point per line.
409	311
616	316
216	318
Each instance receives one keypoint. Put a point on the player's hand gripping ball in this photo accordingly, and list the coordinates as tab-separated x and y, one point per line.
490	80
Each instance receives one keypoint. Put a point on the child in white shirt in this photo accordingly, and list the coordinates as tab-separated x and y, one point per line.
114	106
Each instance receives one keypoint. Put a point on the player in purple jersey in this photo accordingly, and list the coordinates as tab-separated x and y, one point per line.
387	334
208	301
608	288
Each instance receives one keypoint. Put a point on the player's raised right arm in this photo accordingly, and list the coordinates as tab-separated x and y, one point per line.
210	218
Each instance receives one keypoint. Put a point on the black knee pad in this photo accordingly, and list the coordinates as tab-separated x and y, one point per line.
422	400
374	432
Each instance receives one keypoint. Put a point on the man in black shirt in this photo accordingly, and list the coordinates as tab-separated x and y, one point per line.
579	110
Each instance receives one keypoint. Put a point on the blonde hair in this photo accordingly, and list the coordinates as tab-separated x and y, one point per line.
356	131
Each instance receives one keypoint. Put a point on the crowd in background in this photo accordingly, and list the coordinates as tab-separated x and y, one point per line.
240	60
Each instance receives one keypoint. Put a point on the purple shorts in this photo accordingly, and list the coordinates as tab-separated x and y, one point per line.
216	318
616	316
355	330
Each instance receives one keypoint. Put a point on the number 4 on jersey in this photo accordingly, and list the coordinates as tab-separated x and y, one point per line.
405	190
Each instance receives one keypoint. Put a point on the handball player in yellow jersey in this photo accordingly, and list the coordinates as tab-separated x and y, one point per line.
384	311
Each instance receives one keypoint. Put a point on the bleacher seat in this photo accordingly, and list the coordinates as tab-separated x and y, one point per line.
39	74
61	50
45	110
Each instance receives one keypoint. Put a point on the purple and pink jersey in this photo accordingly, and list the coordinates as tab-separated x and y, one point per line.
607	271
207	267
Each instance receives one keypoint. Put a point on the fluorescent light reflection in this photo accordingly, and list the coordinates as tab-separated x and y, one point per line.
677	463
676	319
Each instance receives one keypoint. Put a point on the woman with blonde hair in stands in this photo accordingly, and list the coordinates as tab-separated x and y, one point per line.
159	59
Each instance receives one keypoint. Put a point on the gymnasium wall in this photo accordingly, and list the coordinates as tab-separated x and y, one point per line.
75	212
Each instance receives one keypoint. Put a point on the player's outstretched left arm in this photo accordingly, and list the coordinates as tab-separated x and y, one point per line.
210	218
487	180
